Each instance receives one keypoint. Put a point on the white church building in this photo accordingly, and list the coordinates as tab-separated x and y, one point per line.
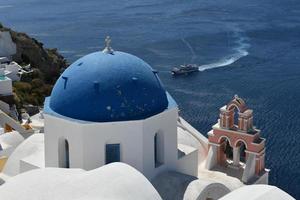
110	106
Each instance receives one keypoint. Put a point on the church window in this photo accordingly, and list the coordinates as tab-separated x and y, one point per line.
158	149
112	153
63	153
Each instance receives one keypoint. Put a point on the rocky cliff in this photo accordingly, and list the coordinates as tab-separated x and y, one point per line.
47	65
31	51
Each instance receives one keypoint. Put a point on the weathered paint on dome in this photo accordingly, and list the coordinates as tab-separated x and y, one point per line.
102	87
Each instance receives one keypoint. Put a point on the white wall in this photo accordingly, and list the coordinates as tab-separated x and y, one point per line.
87	141
188	164
6	86
127	134
57	128
14	68
165	124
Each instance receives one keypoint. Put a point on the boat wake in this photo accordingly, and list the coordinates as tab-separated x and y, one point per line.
194	55
240	47
6	6
224	62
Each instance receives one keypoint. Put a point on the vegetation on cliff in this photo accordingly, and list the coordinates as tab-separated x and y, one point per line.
46	63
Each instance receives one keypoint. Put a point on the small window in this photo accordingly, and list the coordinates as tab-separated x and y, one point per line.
67	154
112	153
63	153
158	149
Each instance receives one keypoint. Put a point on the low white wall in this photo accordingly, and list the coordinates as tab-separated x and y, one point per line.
264	179
188	135
188	164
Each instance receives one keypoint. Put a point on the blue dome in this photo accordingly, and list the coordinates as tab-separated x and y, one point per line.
103	87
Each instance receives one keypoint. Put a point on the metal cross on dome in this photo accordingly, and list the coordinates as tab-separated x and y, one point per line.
108	48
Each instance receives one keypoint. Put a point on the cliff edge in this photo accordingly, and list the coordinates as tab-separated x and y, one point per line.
46	63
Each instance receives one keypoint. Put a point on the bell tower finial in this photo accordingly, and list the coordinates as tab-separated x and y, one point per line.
108	48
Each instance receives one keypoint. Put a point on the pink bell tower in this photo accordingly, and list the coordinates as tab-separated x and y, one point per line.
235	145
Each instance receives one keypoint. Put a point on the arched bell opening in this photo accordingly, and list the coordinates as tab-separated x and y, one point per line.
226	151
241	145
233	116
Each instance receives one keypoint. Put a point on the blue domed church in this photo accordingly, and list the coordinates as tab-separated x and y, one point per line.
110	106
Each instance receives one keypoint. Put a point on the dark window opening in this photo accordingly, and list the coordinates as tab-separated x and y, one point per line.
112	153
67	154
64	153
228	150
158	150
242	150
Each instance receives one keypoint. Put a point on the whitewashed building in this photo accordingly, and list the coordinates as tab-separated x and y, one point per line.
110	106
5	83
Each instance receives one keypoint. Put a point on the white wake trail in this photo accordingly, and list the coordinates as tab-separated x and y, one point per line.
194	55
240	49
6	6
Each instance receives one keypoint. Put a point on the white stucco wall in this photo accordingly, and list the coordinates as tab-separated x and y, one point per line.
87	141
13	68
56	128
188	164
165	124
6	86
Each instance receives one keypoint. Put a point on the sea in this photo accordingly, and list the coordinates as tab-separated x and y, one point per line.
249	48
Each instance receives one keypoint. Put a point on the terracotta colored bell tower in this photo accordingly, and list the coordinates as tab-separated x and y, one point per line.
235	144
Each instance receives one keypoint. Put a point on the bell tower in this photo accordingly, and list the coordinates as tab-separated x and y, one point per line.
235	145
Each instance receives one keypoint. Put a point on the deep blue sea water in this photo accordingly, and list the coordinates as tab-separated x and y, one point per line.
250	48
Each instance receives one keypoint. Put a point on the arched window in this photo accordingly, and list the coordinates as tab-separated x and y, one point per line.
63	153
158	149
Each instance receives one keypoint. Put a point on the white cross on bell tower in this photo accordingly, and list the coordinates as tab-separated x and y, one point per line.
108	48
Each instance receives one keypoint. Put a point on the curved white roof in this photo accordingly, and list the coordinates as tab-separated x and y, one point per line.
258	192
32	148
114	181
174	185
12	139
